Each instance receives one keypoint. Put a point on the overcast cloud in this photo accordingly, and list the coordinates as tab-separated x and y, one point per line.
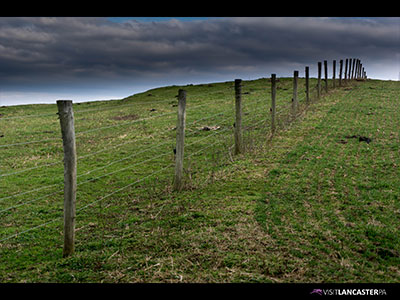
65	57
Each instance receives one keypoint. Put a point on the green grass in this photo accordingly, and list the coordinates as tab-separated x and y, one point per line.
309	205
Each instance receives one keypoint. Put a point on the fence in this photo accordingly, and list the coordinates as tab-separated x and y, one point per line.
250	114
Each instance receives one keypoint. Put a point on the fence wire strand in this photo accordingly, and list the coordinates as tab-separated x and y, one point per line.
283	110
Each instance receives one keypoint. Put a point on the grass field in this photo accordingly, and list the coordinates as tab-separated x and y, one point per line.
313	204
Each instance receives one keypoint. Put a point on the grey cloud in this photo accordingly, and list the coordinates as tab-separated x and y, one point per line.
77	49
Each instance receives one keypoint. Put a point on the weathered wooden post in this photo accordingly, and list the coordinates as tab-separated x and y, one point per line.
307	71
238	117
319	81
340	72
294	99
326	75
180	140
273	103
66	115
334	74
356	68
345	70
349	77
352	70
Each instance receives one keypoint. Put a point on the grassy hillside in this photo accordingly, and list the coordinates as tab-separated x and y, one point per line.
314	204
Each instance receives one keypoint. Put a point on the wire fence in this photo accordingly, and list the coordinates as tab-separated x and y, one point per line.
117	153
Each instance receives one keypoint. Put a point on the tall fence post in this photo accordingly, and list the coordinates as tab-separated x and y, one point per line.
326	75
180	140
319	80
294	99
66	116
273	103
340	72
334	74
352	69
307	71
238	117
345	70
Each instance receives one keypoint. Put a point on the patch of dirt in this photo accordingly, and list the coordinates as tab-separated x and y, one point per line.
127	117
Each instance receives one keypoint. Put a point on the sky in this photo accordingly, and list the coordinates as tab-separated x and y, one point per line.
44	59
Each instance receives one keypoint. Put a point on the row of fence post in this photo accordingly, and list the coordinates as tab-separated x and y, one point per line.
353	70
356	72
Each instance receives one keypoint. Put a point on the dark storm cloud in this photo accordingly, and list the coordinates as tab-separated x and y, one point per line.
76	50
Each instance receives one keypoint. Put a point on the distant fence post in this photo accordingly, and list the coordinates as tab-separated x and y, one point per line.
340	72
307	71
66	116
334	74
273	103
349	77
354	68
180	140
294	99
319	80
345	70
356	71
238	117
326	75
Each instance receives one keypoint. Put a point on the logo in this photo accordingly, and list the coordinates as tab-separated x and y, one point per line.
349	292
317	291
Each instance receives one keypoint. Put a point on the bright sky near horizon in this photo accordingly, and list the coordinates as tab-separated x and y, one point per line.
43	59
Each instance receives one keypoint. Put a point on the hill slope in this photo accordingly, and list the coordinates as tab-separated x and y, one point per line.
317	203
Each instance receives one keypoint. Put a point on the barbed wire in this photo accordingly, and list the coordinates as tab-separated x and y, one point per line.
120	189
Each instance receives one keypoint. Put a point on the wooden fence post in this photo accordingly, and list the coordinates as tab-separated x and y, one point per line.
345	70
238	117
319	81
352	69
326	75
273	103
307	71
294	99
66	116
334	74
349	77
340	72
180	140
356	71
